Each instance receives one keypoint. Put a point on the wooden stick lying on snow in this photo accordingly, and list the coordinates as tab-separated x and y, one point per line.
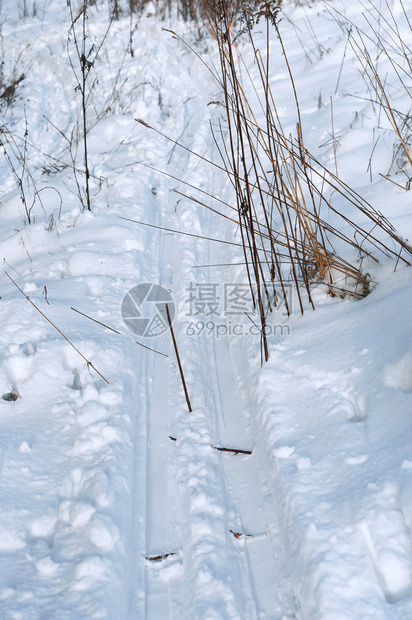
189	406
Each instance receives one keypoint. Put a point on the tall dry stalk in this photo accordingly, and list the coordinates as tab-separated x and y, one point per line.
85	59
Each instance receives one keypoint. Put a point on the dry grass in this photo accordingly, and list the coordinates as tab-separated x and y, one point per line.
390	46
283	209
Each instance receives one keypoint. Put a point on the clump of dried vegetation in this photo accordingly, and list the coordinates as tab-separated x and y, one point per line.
290	226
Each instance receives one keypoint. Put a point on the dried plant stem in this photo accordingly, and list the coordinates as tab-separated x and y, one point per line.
89	364
189	406
86	59
180	232
116	332
375	81
95	321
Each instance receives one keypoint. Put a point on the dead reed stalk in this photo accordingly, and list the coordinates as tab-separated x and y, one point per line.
86	57
182	376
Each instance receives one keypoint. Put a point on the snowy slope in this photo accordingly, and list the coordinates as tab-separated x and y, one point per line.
115	501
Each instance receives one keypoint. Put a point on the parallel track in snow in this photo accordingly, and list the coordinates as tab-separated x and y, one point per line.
163	553
211	540
205	538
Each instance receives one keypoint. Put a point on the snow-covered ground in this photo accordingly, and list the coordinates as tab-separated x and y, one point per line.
116	501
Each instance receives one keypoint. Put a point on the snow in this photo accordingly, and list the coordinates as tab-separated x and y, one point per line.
287	492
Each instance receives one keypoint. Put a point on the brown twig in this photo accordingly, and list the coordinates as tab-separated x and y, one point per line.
116	332
56	328
233	450
157	558
189	406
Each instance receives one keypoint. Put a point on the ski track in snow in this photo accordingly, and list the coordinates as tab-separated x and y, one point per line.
115	501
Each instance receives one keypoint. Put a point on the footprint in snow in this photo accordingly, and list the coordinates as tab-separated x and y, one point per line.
399	375
12	396
387	539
